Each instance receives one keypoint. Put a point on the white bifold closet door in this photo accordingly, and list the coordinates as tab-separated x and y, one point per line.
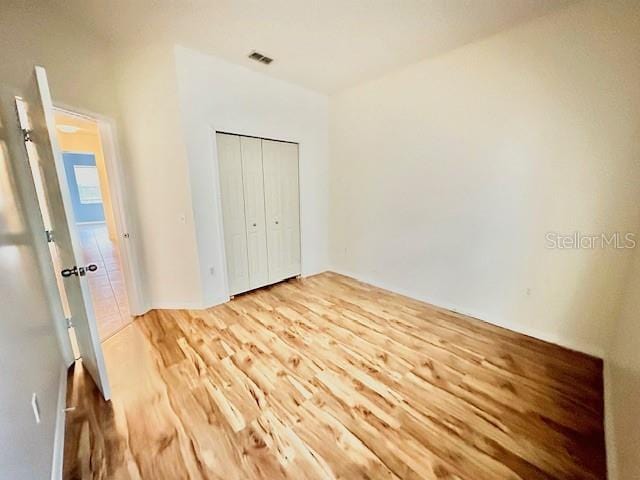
254	211
282	207
235	230
260	208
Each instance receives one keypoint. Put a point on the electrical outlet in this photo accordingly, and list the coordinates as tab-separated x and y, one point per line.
36	407
212	271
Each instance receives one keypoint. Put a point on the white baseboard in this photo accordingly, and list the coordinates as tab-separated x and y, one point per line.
177	306
208	302
58	438
311	273
212	302
593	350
215	302
609	427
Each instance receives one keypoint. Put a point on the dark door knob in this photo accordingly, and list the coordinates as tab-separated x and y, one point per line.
81	271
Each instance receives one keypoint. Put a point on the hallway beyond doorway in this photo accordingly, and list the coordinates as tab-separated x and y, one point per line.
107	286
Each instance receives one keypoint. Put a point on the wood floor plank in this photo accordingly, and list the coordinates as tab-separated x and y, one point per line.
331	378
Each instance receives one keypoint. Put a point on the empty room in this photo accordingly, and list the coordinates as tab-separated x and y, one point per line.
278	239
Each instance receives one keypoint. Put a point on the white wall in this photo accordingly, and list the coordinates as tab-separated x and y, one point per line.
219	96
158	175
30	355
623	364
445	176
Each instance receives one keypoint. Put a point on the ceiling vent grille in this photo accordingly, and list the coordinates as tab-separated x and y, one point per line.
259	57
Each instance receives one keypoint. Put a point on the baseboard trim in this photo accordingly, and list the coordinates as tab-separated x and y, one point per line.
609	426
589	349
215	302
58	438
225	298
177	306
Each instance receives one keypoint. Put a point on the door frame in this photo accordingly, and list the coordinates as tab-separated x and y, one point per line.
119	199
216	165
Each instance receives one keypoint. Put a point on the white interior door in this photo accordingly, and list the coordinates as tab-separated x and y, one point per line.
254	211
282	207
43	150
232	192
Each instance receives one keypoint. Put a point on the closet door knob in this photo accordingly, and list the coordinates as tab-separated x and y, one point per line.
277	222
254	224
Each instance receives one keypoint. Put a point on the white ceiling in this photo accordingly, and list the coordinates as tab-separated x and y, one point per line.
325	45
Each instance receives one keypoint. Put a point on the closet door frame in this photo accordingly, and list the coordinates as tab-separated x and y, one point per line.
223	253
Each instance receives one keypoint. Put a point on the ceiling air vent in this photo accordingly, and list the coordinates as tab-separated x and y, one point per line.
258	57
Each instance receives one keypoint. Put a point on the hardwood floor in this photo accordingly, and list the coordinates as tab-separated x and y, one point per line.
326	378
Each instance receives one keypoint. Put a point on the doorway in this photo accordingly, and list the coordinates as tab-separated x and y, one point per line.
86	145
87	176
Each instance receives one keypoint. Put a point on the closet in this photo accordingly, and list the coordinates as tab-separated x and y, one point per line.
260	210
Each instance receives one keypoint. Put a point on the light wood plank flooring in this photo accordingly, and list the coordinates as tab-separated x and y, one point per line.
326	378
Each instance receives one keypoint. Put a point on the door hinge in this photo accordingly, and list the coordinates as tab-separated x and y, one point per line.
26	134
69	322
49	234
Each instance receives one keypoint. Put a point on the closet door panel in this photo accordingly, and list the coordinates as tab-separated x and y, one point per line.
232	193
291	209
254	211
282	206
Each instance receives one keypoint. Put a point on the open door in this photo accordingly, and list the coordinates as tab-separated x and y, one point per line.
42	147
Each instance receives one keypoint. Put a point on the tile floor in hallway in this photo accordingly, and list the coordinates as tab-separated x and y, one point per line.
107	286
